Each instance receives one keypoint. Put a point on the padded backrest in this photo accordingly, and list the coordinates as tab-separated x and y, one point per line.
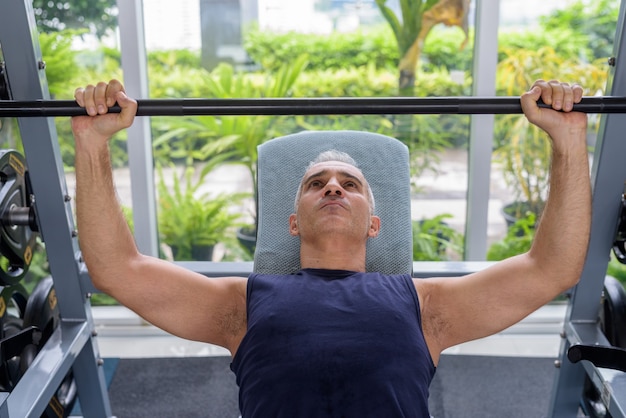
281	165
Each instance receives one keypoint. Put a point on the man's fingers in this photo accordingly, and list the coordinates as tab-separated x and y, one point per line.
560	96
100	99
114	87
557	93
545	91
79	96
529	101
128	106
88	100
577	93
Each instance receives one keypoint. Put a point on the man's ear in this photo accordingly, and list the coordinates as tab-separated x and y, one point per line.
374	226
293	225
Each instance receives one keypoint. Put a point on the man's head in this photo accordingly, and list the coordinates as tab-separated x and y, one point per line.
334	197
337	156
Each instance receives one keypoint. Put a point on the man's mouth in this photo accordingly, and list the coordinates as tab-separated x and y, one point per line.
333	202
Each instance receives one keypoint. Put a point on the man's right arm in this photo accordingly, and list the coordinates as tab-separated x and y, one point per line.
177	300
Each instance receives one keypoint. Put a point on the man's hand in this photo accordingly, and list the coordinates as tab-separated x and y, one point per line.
559	122
100	125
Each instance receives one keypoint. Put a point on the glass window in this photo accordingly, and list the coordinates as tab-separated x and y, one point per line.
330	48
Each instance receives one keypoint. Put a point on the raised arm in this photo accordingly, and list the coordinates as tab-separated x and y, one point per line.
179	301
461	309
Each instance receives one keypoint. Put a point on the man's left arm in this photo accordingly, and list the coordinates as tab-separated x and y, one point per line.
460	309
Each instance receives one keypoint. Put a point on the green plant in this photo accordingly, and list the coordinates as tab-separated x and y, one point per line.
524	151
434	240
406	31
99	16
518	239
189	218
418	17
333	51
616	269
60	58
525	161
238	136
595	20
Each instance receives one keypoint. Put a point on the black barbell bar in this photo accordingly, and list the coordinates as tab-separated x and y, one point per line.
312	106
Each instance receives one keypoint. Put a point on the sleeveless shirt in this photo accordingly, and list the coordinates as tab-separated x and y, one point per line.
328	343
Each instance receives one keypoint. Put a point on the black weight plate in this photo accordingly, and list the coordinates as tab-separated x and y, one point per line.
10	367
613	312
41	309
42	312
619	242
10	325
16	296
17	242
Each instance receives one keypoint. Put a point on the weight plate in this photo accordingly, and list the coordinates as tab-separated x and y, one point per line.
15	296
12	306
613	312
42	312
13	346
17	242
619	242
41	309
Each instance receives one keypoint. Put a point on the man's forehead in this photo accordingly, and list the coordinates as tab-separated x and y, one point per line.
334	166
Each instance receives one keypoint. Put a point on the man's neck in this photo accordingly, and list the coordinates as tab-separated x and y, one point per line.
332	254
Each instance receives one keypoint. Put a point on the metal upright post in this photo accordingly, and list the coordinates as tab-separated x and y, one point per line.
481	130
581	322
72	345
139	142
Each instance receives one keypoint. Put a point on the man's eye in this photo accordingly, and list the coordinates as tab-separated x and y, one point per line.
350	184
315	183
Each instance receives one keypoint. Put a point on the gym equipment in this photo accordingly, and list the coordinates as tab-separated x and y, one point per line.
71	345
18	225
42	313
4	83
589	333
612	356
13	337
612	319
24	335
619	243
15	296
280	163
613	312
313	106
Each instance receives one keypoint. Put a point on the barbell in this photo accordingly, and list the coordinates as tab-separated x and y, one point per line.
309	106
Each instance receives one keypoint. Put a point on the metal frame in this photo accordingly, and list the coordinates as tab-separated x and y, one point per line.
71	345
608	175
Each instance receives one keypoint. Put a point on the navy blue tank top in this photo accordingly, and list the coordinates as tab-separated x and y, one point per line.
327	343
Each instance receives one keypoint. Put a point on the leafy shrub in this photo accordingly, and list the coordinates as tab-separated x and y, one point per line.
595	20
434	240
518	239
443	48
336	50
56	49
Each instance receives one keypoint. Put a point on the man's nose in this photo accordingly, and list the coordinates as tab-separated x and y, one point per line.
333	188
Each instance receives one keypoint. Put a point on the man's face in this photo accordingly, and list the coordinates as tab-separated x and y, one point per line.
334	200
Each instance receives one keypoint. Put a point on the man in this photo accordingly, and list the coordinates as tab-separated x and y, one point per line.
334	340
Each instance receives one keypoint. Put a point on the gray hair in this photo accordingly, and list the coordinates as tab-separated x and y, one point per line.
342	157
